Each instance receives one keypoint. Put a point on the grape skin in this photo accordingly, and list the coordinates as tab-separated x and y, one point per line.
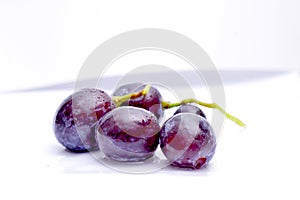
128	134
76	117
189	108
126	89
187	140
152	101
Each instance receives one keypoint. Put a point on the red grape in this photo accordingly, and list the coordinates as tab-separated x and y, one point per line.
128	134
76	117
152	101
126	89
189	108
187	140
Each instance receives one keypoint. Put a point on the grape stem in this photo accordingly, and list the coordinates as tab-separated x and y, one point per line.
167	105
119	100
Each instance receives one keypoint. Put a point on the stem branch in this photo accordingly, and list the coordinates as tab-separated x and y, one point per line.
119	100
167	105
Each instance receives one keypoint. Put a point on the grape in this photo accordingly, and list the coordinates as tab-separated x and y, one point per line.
126	89
152	101
189	108
128	134
187	140
76	117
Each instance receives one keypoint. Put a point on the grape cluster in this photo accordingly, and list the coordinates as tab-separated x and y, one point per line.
125	126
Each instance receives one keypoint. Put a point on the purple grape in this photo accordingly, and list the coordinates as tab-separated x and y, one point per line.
126	89
189	108
128	134
152	101
76	117
187	140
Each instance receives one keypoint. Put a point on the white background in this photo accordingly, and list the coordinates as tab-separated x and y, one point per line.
46	42
49	40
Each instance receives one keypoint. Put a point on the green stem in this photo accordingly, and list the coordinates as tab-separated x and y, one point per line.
167	105
119	100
